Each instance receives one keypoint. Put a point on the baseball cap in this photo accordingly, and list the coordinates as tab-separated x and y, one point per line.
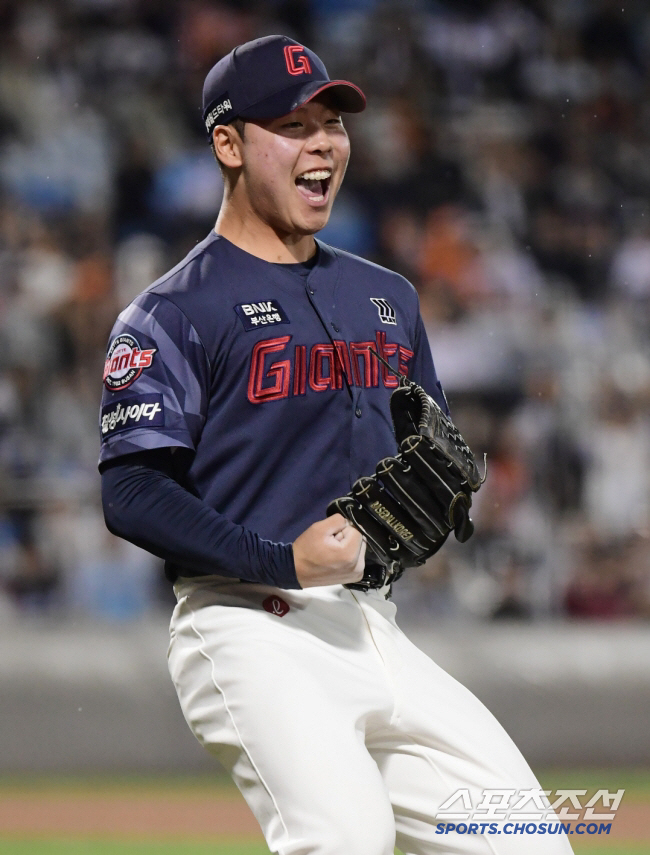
267	78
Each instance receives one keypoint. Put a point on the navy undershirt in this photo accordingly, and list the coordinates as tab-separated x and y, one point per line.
145	503
302	268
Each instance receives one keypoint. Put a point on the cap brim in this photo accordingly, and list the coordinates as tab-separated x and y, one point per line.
345	96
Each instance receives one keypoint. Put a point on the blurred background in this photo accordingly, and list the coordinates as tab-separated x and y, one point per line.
503	166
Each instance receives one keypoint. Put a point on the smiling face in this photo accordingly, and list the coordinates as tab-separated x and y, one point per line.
292	168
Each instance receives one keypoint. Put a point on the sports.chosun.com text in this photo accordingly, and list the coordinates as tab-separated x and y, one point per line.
523	828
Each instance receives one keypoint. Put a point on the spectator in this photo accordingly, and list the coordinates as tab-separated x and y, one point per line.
503	168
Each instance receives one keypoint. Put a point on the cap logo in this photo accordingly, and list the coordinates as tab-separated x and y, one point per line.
296	59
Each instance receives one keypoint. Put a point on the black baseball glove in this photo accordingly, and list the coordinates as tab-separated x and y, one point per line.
407	509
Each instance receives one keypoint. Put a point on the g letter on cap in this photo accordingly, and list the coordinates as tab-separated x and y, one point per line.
296	59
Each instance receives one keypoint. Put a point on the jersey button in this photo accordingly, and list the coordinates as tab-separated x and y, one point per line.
335	328
357	412
311	290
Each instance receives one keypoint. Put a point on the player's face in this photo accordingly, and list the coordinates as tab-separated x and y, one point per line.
293	167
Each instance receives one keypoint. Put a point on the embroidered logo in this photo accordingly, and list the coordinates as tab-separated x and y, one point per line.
279	371
125	362
143	411
296	59
221	109
386	311
276	606
264	314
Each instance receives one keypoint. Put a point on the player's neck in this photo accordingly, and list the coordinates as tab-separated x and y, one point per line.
260	239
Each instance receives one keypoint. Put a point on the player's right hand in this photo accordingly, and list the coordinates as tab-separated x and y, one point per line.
329	552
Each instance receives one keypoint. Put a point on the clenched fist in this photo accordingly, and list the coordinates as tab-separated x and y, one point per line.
329	552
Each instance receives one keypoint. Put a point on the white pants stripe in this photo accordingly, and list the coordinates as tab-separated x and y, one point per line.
343	737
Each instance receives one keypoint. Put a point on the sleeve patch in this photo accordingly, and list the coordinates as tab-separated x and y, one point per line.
125	362
129	413
264	314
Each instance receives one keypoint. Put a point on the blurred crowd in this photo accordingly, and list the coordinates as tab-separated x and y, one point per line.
502	165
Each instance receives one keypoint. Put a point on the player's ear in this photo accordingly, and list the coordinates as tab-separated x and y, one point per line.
227	146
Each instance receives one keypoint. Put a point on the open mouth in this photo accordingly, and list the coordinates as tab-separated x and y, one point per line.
314	185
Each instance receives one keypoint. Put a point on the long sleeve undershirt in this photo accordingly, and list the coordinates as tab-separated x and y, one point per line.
144	503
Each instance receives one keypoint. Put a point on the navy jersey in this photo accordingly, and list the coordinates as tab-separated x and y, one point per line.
268	377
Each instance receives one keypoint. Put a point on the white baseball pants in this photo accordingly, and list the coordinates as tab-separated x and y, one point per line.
343	737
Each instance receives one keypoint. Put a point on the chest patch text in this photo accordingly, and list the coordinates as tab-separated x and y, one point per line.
280	371
266	313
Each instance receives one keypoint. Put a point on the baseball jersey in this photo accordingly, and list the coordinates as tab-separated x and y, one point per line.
267	374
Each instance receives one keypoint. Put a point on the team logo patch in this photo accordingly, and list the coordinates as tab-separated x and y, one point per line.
125	362
143	411
386	311
267	313
276	606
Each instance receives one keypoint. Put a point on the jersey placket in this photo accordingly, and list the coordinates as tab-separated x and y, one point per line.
321	298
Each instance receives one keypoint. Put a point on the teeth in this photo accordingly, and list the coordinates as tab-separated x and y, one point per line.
316	174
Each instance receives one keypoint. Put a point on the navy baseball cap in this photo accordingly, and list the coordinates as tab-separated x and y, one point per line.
267	78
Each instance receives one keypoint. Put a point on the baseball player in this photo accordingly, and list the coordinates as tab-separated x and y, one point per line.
241	395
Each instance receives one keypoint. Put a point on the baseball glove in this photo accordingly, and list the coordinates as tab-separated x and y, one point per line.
407	509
